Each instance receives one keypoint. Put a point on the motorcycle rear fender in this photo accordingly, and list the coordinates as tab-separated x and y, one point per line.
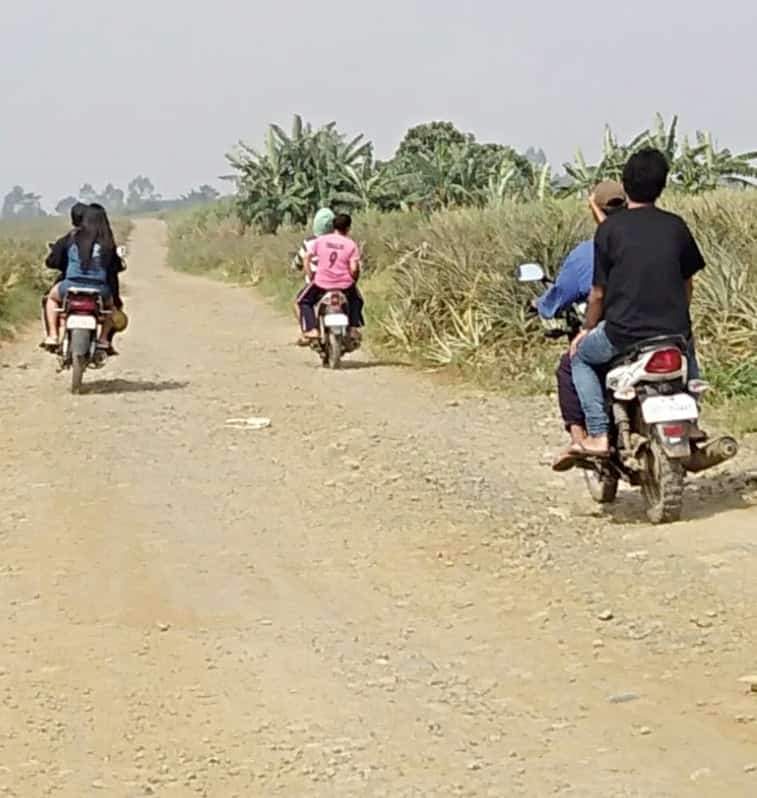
623	379
676	446
331	299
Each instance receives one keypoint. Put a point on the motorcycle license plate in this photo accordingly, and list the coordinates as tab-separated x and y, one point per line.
679	407
81	323
336	320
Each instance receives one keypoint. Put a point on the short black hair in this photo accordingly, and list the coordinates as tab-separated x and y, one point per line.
645	175
77	213
342	222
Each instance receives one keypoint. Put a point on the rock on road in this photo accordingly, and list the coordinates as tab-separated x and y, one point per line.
383	594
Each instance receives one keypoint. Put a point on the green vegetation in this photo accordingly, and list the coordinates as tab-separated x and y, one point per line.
694	168
444	223
23	245
438	167
440	288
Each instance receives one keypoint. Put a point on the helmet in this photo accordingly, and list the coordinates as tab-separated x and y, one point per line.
119	320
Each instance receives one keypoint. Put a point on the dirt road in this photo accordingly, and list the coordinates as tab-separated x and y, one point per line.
384	594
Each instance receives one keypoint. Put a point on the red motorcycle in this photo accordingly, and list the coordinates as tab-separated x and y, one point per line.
80	324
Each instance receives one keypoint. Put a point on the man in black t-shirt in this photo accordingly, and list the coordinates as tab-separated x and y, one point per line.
644	264
57	258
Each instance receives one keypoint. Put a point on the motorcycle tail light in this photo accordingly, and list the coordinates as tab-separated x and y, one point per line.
82	304
674	431
665	361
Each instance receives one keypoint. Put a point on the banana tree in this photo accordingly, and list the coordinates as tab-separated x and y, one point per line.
694	168
702	167
298	172
509	183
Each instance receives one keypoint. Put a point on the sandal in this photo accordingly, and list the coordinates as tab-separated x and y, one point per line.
565	461
580	451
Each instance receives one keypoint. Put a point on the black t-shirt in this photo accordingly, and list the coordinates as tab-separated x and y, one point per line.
643	259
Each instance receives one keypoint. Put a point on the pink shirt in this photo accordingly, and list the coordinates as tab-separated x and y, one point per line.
336	254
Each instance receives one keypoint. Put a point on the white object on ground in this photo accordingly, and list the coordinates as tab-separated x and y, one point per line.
248	423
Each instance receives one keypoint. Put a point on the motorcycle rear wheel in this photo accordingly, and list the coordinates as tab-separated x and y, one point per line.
335	350
80	344
662	486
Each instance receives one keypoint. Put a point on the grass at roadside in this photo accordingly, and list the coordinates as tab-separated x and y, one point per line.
737	416
23	246
23	276
440	290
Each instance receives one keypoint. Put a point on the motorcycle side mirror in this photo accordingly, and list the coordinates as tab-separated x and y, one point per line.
530	273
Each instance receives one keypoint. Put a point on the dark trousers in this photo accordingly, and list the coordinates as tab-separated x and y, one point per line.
570	405
567	395
309	297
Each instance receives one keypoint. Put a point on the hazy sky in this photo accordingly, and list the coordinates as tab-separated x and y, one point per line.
99	92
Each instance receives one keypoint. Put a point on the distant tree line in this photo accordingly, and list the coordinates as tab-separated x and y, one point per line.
140	197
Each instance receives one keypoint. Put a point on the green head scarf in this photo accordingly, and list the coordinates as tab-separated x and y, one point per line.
323	224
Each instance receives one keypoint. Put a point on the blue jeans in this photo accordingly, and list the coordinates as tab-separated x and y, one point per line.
596	350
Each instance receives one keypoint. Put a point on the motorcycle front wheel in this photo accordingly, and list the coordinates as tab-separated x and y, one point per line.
662	486
602	486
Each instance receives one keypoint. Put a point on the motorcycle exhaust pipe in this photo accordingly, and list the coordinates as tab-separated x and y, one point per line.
712	454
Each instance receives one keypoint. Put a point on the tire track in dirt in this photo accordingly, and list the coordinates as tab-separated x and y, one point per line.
383	594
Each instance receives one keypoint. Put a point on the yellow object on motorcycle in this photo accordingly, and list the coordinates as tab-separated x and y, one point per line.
119	320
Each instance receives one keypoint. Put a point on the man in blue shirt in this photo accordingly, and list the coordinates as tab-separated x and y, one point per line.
572	286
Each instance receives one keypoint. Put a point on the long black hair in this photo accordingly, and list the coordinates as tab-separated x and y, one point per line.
99	207
95	229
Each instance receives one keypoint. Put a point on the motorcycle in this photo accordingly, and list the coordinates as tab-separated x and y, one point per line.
334	339
79	328
82	316
654	413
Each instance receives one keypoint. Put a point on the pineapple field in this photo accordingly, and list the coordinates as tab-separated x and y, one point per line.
444	223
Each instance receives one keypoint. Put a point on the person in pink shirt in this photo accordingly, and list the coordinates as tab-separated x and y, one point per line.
338	258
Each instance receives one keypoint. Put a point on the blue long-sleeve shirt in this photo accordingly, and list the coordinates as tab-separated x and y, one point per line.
573	282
